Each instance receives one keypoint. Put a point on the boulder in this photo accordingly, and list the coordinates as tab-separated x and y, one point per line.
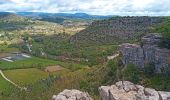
72	95
104	92
122	90
125	90
152	94
164	95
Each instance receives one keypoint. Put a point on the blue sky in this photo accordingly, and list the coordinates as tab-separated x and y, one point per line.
97	7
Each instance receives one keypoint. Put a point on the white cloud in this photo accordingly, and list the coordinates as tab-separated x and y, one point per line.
102	7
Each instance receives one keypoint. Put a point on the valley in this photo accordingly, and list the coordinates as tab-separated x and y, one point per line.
78	53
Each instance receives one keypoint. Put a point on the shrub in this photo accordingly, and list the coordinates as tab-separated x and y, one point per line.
149	69
84	85
112	67
131	73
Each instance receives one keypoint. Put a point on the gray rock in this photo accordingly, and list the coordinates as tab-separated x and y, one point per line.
164	95
132	53
152	38
126	85
104	92
148	53
152	94
128	91
72	95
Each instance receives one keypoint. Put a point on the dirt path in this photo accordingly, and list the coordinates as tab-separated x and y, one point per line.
2	74
113	56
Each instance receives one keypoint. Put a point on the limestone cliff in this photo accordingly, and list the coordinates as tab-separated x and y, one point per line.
148	52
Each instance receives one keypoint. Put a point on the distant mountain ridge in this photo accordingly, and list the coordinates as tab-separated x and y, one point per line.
64	15
58	17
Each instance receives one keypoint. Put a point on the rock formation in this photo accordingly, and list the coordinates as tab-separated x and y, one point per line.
125	90
122	90
72	95
148	52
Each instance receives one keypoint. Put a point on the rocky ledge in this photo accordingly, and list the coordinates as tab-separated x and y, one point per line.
72	95
125	90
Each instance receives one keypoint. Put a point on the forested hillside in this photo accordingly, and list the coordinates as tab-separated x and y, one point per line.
116	30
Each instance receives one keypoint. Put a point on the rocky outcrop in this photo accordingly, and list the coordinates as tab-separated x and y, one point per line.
72	95
125	90
148	52
132	53
122	90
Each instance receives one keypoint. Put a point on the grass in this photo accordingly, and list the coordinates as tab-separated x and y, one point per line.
27	63
5	87
158	82
35	62
25	77
29	76
85	79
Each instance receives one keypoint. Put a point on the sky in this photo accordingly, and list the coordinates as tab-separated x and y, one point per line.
95	7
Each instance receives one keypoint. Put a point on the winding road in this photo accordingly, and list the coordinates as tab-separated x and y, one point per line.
2	74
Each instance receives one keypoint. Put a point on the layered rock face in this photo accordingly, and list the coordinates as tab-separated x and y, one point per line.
149	52
125	90
72	95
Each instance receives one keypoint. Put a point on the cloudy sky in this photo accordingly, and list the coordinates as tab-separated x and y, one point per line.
99	7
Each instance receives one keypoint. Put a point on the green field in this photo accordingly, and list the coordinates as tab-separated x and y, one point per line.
6	88
35	62
25	76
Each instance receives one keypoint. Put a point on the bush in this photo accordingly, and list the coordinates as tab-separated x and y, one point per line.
149	69
112	67
84	85
131	73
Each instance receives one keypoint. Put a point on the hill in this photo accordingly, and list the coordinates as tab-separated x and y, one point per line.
81	16
61	18
116	30
13	27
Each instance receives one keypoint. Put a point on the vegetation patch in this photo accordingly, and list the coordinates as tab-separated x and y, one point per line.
164	29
